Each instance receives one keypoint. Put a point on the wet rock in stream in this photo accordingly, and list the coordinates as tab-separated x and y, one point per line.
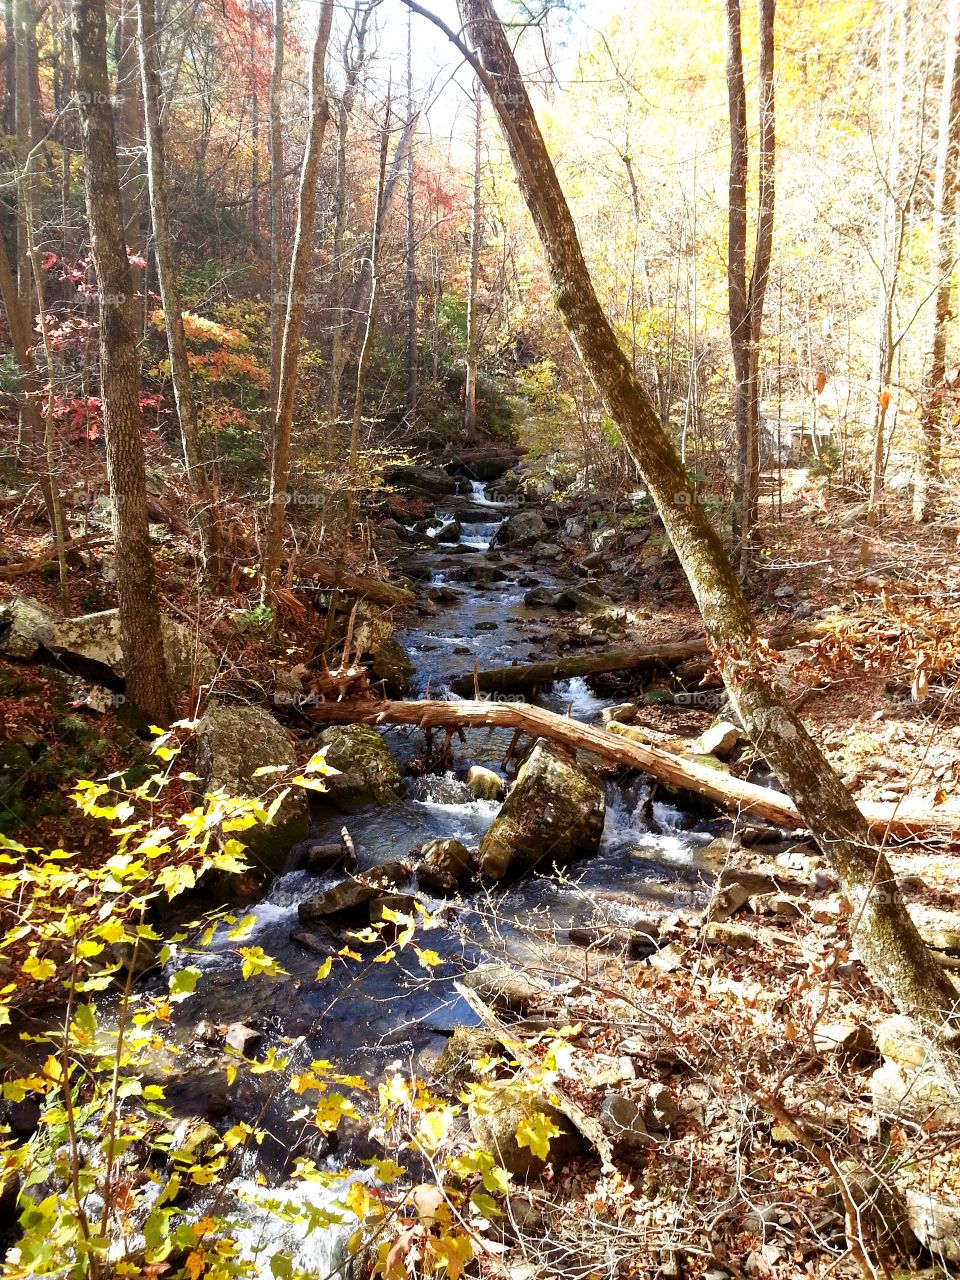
553	814
366	771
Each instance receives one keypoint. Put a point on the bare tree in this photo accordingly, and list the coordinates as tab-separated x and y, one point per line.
746	301
197	478
943	259
318	115
276	204
470	385
881	927
140	634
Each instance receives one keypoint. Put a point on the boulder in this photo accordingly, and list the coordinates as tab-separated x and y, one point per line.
367	772
394	666
523	526
494	1121
484	784
540	598
660	1110
845	1039
900	1041
916	1097
450	532
622	1120
447	865
241	1038
546	551
428	480
232	743
553	814
351	895
464	1048
439	788
26	626
719	740
622	713
92	642
935	1221
481	575
504	989
582	602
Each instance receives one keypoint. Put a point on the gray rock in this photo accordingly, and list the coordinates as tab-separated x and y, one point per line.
26	626
428	480
367	772
901	1042
523	526
437	788
350	895
915	1097
447	865
484	784
582	602
660	1108
540	598
546	551
494	1123
845	1039
95	638
450	532
553	814
241	1038
232	743
504	989
719	740
394	666
622	713
935	1221
622	1120
593	561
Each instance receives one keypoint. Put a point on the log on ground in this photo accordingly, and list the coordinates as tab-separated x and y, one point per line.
531	675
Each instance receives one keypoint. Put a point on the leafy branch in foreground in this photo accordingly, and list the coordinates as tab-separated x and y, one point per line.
110	1184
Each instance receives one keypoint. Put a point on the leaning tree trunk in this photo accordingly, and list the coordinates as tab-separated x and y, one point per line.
885	935
943	260
197	479
140	635
319	114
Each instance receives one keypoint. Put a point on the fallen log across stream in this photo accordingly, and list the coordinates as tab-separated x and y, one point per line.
676	771
532	674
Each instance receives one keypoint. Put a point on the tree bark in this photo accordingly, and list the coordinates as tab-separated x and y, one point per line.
411	273
276	205
882	930
140	634
530	675
470	385
942	256
353	65
319	114
676	771
197	478
746	301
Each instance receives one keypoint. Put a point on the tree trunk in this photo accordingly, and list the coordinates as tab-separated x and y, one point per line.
319	114
24	35
140	635
530	675
882	930
411	274
254	124
353	65
608	744
470	386
276	207
197	479
888	257
942	258
746	302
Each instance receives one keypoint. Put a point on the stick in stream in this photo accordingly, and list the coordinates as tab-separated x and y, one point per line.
676	771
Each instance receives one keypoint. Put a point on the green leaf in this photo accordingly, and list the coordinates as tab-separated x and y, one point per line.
184	981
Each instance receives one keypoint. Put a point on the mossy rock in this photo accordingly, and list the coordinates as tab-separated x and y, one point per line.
553	814
232	743
366	771
466	1046
494	1122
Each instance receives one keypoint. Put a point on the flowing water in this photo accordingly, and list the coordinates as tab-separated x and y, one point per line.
371	1018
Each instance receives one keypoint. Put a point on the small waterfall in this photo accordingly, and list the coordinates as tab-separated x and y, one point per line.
479	535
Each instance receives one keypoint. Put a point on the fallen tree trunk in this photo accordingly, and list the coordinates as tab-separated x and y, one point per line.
530	675
676	771
355	584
